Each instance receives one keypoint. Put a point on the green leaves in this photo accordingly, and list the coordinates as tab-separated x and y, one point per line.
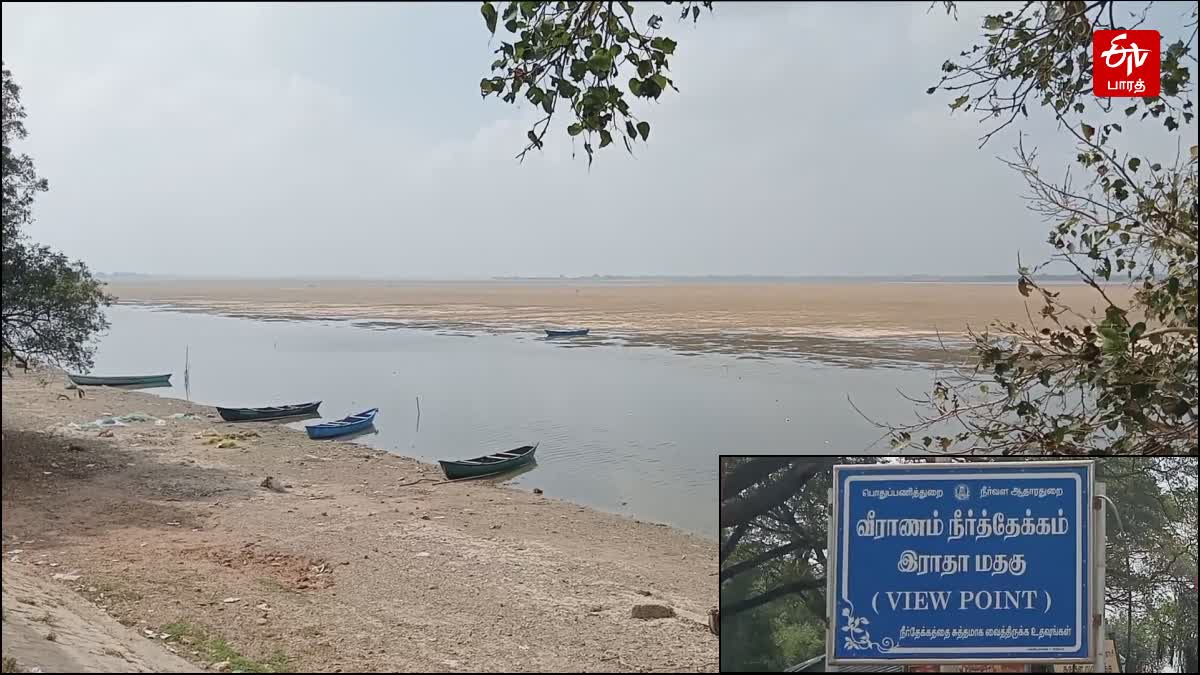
574	51
663	44
52	305
1088	131
489	16
1134	163
959	102
494	85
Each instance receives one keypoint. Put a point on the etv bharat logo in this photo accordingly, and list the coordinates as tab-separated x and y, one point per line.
1126	63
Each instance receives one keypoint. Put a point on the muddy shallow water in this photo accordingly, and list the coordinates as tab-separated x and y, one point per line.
624	425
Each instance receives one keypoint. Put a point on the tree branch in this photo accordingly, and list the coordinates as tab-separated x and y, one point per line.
740	510
773	594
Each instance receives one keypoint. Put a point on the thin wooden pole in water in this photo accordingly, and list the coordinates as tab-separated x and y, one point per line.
418	413
187	379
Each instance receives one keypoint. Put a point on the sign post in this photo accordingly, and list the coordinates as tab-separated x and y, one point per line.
1101	564
962	563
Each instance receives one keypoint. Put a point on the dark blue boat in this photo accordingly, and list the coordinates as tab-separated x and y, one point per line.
569	332
343	427
272	413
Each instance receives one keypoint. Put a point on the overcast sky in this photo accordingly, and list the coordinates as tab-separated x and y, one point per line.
292	139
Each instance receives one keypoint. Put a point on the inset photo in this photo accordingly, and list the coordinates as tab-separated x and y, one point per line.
938	564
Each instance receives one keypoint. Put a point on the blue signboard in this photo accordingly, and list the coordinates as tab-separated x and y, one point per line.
970	562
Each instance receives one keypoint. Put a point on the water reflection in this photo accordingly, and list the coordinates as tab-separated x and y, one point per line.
133	387
624	424
357	435
503	476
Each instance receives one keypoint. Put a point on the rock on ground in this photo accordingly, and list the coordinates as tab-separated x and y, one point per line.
652	611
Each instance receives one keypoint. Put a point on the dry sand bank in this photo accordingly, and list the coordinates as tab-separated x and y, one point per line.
870	320
362	564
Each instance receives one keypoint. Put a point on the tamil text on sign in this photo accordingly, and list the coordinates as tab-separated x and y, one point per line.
962	562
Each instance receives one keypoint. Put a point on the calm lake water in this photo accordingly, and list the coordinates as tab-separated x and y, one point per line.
627	430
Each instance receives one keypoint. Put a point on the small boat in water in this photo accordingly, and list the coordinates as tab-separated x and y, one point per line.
271	413
343	427
497	462
120	380
567	332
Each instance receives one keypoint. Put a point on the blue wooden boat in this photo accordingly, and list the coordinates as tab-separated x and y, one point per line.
497	462
568	332
344	426
120	380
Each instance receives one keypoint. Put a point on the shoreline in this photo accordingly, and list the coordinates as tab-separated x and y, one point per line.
849	324
167	523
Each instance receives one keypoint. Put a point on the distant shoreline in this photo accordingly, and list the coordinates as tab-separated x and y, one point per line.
892	321
616	278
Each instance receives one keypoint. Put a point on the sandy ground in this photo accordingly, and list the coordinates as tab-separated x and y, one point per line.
867	309
363	563
57	631
838	322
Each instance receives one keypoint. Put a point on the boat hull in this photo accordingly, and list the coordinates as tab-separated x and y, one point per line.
567	333
342	427
474	468
270	413
119	380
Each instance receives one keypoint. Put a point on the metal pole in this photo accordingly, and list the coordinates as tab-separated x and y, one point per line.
1100	494
1129	580
830	600
1099	539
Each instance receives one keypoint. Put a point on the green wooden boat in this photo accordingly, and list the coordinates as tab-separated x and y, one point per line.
497	462
121	380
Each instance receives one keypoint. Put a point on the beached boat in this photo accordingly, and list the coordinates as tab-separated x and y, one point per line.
271	413
567	332
487	465
120	380
344	426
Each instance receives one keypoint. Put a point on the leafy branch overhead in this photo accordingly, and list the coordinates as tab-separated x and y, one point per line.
590	58
1041	54
1066	382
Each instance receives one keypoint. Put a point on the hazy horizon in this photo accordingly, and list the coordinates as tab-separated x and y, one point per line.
581	277
219	141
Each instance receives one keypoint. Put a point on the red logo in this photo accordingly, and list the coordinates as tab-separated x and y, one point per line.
1126	63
